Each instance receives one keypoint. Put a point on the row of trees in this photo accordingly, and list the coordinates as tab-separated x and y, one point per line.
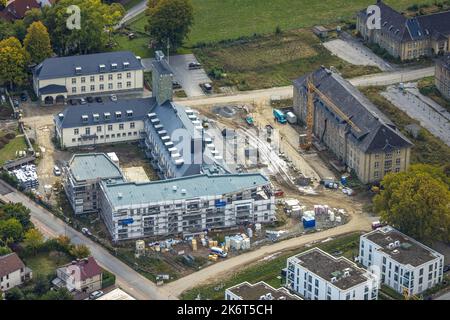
417	202
44	31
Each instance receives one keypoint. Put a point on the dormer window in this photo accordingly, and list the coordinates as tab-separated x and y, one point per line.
107	115
118	114
78	70
113	66
102	68
84	118
96	117
126	65
129	113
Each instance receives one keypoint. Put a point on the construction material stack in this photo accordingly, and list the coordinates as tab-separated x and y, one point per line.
27	177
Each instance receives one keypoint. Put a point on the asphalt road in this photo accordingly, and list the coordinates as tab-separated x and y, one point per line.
128	279
133	12
445	296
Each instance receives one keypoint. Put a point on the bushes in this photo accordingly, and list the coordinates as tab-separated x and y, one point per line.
108	279
9	179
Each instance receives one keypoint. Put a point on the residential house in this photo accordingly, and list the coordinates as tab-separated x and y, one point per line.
13	272
16	9
317	275
405	265
258	291
80	276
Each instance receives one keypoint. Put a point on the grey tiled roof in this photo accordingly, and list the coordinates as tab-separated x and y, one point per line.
61	67
52	88
72	115
403	28
378	133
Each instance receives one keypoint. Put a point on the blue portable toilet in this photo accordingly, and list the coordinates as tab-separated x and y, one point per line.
309	222
344	180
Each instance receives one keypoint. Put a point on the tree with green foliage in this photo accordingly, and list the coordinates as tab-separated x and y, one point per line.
17	211
4	250
33	15
13	62
96	19
417	203
33	240
10	230
80	251
41	285
169	22
14	294
60	294
37	42
6	29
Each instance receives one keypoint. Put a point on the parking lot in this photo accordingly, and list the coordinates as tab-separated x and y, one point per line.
356	53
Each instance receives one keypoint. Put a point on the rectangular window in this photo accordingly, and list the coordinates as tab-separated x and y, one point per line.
132	125
128	84
101	77
76	131
74	80
119	85
102	87
99	128
83	79
119	76
92	88
128	75
110	76
83	89
110	127
87	131
92	78
121	126
110	86
74	89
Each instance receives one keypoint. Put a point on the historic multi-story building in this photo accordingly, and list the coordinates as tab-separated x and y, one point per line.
404	264
185	205
59	78
373	149
442	75
82	177
406	37
317	275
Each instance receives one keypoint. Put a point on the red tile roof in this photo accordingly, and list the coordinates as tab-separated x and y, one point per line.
88	268
10	263
17	8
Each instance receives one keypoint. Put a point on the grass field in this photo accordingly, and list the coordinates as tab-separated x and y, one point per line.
272	60
427	148
8	152
270	271
46	263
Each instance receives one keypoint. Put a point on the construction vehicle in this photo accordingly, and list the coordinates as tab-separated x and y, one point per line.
408	296
312	90
249	120
279	116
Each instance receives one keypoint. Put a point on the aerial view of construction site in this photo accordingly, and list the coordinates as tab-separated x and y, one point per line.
205	150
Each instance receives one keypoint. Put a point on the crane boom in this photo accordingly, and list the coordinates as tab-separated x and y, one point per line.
311	89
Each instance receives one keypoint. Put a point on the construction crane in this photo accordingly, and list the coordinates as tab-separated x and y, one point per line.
311	90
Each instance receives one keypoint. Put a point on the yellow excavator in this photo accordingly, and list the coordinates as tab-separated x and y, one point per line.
311	90
407	296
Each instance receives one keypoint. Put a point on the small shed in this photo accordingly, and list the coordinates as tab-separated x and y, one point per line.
320	31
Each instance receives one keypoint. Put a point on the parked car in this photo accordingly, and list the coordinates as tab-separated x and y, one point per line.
96	294
16	103
86	231
194	65
73	102
113	97
176	84
83	101
206	87
23	97
90	99
56	171
99	99
446	268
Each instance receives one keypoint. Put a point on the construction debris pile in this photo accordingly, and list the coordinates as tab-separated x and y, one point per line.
26	176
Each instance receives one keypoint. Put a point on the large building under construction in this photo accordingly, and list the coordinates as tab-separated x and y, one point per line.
372	147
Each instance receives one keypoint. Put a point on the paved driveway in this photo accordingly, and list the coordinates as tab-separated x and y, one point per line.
190	80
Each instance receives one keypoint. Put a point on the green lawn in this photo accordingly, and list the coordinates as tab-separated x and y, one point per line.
270	271
8	152
272	60
46	263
